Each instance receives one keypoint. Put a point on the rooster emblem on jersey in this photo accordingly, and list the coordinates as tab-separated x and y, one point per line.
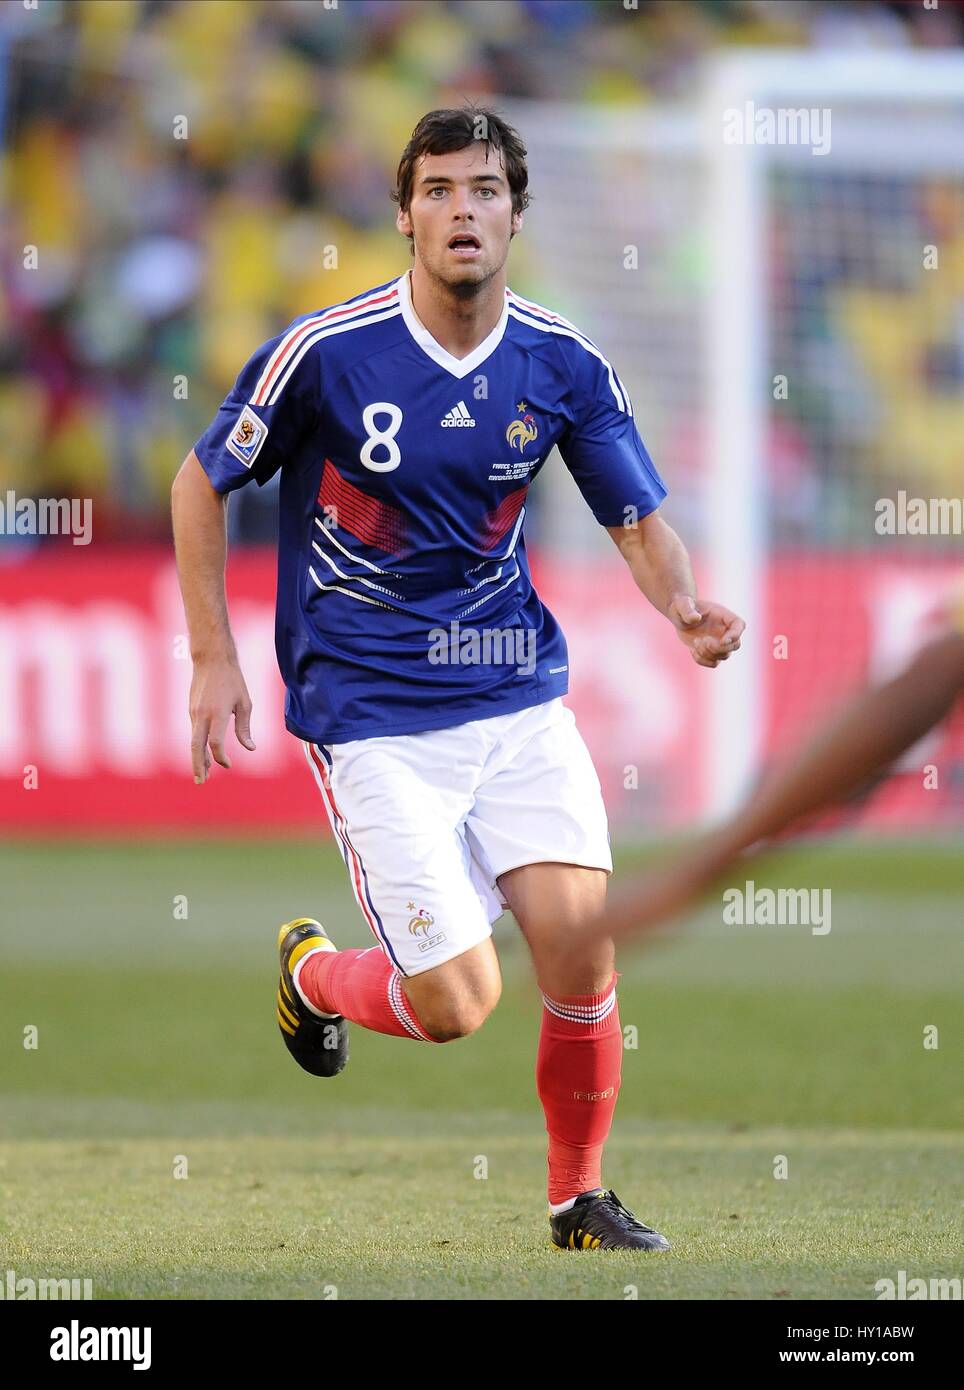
421	921
524	431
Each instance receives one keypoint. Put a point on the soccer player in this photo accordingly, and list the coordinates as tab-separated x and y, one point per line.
850	751
424	676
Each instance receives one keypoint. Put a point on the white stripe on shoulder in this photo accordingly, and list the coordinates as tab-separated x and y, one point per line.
329	333
295	337
530	306
621	398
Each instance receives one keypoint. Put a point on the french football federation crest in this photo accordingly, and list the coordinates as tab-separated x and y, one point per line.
421	922
524	431
247	437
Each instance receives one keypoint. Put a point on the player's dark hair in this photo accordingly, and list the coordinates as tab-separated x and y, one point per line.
446	130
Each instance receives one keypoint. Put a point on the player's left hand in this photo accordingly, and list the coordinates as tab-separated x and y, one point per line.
711	631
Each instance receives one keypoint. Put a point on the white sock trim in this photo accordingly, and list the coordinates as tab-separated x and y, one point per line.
396	1001
582	1013
557	1207
295	974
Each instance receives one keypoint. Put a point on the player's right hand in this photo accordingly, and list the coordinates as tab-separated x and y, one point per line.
217	691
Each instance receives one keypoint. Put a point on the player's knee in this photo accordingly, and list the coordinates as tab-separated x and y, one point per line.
447	1020
454	999
448	1027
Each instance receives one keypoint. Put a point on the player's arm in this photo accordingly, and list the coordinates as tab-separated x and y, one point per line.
199	515
603	451
659	564
857	742
263	420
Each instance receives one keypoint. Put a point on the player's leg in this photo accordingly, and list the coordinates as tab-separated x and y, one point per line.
363	986
398	834
579	1061
556	906
455	999
538	827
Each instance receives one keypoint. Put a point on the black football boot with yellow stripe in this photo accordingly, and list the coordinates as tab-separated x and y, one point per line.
319	1044
598	1221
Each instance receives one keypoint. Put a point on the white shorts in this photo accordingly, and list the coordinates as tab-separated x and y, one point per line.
427	822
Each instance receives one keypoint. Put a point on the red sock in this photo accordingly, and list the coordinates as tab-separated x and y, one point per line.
578	1071
362	986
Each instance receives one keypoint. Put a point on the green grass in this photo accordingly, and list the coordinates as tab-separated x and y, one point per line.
400	1215
156	1040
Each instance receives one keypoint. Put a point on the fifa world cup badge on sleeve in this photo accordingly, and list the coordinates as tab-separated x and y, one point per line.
247	437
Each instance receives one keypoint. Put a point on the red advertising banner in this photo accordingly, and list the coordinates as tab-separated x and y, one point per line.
95	672
834	622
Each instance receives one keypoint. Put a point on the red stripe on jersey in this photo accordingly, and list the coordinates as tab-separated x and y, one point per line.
287	346
499	523
537	310
366	518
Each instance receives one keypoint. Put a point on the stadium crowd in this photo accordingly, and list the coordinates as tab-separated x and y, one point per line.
195	173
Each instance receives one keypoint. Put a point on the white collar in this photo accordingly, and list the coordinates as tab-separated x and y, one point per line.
458	366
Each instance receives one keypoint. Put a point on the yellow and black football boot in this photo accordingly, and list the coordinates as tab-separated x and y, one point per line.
598	1220
317	1043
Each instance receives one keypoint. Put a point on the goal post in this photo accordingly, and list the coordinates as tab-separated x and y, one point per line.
860	133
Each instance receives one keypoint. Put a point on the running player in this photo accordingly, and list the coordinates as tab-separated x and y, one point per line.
424	676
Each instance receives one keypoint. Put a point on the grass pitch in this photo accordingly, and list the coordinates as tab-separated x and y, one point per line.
419	1172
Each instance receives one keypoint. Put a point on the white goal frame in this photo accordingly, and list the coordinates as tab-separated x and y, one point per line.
736	331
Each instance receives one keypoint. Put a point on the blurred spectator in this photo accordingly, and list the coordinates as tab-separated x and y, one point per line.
181	168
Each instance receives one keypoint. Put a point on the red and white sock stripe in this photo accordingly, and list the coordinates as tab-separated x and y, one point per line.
583	1013
400	1007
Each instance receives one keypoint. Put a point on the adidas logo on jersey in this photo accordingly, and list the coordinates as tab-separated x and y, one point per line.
458	418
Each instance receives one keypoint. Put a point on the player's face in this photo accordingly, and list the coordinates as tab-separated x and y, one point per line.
461	195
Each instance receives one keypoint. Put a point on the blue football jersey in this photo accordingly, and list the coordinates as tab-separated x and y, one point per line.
404	596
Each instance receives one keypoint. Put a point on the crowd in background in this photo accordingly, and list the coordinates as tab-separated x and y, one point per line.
180	166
